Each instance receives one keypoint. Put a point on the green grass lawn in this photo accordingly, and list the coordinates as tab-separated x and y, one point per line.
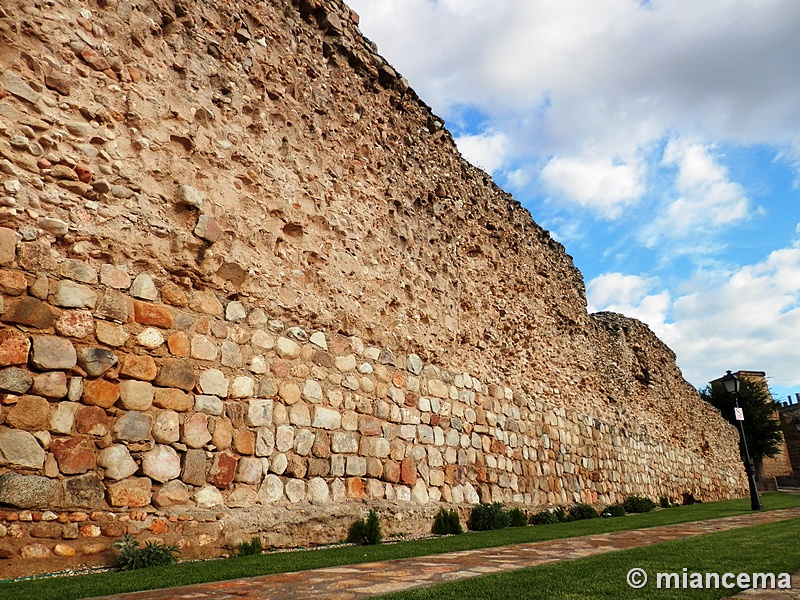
770	548
63	588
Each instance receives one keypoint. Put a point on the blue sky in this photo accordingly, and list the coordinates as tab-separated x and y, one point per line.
658	141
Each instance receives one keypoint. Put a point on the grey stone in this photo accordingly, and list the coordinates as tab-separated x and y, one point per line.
235	311
133	427
15	380
194	467
414	364
211	405
167	427
208	497
16	86
52	353
74	295
96	361
117	462
20	449
83	491
143	287
214	382
190	196
28	491
63	417
79	271
271	489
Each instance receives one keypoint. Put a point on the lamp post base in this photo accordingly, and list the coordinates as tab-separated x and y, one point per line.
755	501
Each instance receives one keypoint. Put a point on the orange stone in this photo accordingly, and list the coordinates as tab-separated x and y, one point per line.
159	527
152	314
355	487
408	472
14	347
99	392
138	367
178	344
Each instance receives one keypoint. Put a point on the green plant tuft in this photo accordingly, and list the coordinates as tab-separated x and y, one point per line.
517	518
447	522
366	532
251	548
485	517
613	510
638	504
153	554
549	517
580	512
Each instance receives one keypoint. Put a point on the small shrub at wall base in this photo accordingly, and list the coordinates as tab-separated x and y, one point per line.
549	517
153	554
517	518
613	510
447	522
665	502
485	517
638	504
251	548
580	512
366	532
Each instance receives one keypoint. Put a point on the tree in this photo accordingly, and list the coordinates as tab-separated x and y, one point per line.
761	426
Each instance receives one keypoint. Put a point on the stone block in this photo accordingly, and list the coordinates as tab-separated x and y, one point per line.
259	412
172	399
12	283
194	467
222	437
265	441
117	462
52	385
20	449
29	311
195	431
75	323
111	334
176	373
144	288
300	415
244	441
8	245
50	353
223	470
172	493
271	490
92	420
114	277
62	419
74	455
242	387
289	392
161	463
326	418
31	413
344	442
303	441
166	427
211	405
114	306
142	367
96	361
408	472
99	392
83	491
156	315
136	395
178	344
133	427
133	492
249	470
14	380
214	382
29	491
295	490
74	295
14	348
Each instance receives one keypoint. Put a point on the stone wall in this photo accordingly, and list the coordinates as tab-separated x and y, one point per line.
248	284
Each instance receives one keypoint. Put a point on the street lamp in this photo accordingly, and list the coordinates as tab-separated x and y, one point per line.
731	384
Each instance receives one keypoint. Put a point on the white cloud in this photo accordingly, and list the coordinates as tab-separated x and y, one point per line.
487	150
631	295
596	183
748	318
707	199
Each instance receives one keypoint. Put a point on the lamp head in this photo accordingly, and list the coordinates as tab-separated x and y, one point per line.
731	383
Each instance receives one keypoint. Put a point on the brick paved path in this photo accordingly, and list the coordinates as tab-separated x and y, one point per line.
352	582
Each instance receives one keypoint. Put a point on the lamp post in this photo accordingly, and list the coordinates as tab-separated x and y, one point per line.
731	384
